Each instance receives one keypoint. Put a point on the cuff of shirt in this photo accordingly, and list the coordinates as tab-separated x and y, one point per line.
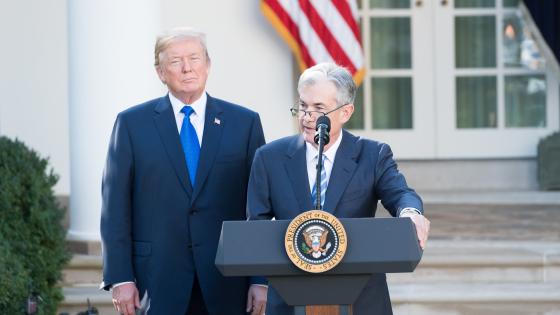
409	210
119	284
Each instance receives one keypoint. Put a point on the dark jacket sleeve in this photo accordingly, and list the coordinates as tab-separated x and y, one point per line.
258	194
116	207
257	140
391	185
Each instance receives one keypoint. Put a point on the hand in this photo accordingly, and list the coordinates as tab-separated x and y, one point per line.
256	299
422	227
126	299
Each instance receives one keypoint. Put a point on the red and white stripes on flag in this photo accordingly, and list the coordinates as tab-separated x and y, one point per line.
319	31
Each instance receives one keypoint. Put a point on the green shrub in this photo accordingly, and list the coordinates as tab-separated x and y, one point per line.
32	240
548	162
13	281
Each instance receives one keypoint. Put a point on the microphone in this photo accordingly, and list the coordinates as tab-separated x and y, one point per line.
323	127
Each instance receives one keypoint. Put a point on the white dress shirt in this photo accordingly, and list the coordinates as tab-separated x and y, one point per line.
311	154
197	118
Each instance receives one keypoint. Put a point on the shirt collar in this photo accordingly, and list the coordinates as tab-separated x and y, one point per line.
311	152
199	106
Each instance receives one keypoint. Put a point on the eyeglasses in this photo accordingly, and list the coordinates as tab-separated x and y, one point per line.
311	113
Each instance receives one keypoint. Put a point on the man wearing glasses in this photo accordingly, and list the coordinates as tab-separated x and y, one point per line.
359	173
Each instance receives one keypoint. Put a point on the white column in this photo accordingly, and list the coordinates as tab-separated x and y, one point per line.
110	68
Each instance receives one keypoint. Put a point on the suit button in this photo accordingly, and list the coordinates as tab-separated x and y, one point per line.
193	211
190	246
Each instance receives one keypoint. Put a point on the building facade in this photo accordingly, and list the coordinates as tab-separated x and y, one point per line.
460	89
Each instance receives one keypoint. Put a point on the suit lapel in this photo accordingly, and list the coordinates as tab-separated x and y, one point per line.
296	167
164	120
210	143
343	169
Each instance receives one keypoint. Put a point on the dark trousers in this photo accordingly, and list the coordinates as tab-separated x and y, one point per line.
196	305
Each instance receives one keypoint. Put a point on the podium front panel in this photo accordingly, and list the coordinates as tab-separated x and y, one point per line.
375	245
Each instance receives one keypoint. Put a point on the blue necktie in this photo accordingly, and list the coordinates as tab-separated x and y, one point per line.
324	183
189	140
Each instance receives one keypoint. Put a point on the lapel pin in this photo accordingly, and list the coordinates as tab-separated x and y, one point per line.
217	121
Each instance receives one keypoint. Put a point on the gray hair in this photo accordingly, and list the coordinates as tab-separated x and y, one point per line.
175	34
339	76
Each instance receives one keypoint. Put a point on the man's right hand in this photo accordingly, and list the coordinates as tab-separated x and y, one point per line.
126	299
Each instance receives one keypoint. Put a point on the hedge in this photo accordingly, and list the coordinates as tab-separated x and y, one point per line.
32	239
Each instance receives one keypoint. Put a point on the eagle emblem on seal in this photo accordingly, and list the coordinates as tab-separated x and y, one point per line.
315	241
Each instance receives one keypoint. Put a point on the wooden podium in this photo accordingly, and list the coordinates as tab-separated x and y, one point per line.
256	248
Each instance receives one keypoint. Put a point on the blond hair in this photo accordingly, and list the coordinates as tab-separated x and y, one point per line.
175	34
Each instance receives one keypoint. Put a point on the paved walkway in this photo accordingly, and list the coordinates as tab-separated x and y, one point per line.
464	222
517	216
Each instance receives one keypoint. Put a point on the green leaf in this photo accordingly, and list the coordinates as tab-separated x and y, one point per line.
32	239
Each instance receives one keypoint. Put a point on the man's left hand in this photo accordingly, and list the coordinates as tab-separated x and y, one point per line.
256	299
422	227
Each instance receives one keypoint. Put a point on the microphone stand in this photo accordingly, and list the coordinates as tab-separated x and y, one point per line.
323	126
318	179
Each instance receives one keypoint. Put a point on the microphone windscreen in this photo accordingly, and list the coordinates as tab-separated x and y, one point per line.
323	120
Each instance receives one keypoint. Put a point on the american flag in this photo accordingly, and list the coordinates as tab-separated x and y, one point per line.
319	31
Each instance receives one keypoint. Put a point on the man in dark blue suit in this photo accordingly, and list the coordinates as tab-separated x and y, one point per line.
358	173
176	168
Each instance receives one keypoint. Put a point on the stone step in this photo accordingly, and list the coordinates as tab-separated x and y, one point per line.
471	174
443	262
475	299
83	270
485	262
489	198
407	299
470	293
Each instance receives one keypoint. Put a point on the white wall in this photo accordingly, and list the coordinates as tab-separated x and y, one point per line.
34	79
251	66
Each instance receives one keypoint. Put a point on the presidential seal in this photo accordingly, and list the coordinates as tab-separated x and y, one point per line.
315	241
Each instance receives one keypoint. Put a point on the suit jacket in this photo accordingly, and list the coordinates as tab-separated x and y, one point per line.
363	173
159	231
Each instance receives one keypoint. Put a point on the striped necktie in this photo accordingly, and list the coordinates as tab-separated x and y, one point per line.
324	183
189	141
